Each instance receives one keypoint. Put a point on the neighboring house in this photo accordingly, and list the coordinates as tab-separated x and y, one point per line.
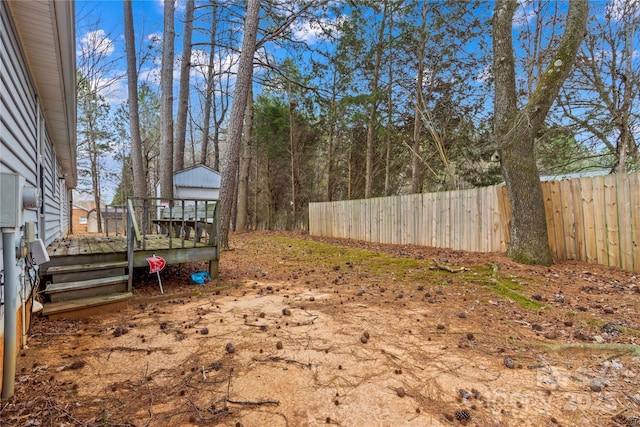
37	150
81	215
84	218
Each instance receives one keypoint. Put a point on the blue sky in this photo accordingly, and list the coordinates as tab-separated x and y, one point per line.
100	26
103	22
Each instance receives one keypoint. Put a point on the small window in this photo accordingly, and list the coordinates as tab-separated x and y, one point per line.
82	219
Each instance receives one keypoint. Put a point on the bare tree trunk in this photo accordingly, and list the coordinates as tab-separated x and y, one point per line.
137	165
626	137
192	139
166	109
245	163
208	96
330	138
292	153
515	130
373	112
416	167
256	189
234	138
183	97
219	114
95	182
387	171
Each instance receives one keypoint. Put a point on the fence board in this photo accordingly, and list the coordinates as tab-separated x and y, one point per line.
600	223
568	223
611	219
558	223
548	211
588	210
578	219
456	238
434	220
634	187
623	197
485	240
505	214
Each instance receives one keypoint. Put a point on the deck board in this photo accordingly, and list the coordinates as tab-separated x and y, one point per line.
114	245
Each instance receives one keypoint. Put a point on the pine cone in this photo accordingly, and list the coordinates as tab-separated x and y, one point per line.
462	415
509	363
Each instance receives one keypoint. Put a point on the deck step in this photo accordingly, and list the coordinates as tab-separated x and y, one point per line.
60	269
86	271
65	291
85	307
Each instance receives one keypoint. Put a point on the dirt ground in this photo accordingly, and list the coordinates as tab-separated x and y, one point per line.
302	331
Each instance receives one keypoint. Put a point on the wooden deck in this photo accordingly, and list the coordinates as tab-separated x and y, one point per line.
87	245
101	245
90	249
90	273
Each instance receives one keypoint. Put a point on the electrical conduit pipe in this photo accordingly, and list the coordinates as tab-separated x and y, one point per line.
10	310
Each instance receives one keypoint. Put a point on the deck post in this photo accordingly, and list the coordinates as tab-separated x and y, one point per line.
131	240
214	241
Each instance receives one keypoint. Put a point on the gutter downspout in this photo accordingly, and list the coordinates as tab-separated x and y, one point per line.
10	310
23	300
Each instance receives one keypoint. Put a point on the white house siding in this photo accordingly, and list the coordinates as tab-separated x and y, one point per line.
54	198
27	149
20	128
18	106
37	81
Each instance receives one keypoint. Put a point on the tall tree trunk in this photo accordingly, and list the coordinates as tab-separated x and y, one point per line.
234	138
192	140
137	165
219	114
416	166
515	130
183	96
95	184
292	148
166	109
373	111
387	169
330	138
208	96
625	139
245	163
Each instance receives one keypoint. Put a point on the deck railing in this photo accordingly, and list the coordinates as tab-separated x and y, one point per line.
156	224
114	218
182	223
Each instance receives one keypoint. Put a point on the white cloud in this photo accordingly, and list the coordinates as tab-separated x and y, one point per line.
155	38
311	31
221	65
525	13
150	75
307	31
486	75
619	9
116	93
95	42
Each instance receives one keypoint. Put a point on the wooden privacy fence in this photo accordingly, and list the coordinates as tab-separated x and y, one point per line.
591	219
465	219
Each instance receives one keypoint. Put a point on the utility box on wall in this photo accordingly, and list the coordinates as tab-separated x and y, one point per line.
11	185
14	197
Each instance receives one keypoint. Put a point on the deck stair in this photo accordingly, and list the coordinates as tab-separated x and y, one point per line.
79	290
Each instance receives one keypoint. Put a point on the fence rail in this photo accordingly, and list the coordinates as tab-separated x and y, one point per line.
591	219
